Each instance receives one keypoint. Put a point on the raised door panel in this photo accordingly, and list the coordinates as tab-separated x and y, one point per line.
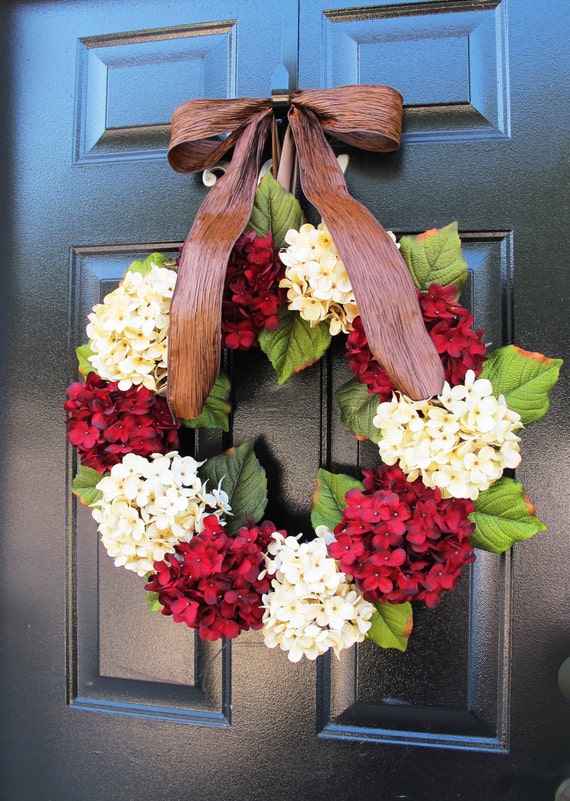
130	82
448	60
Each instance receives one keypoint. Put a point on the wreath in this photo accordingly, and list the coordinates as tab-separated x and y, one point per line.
383	540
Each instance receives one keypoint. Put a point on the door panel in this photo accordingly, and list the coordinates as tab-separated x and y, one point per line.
449	57
123	662
129	83
435	694
102	699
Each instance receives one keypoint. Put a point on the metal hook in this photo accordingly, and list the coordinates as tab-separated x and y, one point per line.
280	91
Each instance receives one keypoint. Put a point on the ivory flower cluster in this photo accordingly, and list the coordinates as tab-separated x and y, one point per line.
128	331
150	505
313	605
318	286
460	442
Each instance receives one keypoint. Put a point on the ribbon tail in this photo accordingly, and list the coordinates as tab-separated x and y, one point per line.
382	284
287	173
194	332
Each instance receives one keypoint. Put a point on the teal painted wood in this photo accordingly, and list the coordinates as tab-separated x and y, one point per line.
102	700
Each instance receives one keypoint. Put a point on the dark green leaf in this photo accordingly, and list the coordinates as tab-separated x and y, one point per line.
328	500
358	409
503	515
435	257
84	486
244	480
294	345
391	625
275	210
524	378
217	408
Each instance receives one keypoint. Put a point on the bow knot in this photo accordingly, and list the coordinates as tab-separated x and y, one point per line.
365	116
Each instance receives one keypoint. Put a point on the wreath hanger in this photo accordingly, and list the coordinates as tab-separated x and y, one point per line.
368	116
283	156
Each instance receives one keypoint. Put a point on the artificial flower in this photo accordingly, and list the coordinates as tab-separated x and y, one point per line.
317	284
312	605
128	331
252	296
104	423
212	583
450	327
461	441
401	540
148	506
405	536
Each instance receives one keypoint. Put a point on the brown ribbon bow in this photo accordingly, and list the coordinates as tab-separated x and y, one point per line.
365	116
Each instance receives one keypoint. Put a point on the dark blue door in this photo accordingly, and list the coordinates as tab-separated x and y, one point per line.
101	699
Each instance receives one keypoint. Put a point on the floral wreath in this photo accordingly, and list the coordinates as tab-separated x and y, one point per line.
393	536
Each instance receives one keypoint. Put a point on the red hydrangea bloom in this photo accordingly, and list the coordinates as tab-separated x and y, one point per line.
104	423
252	296
401	540
212	582
450	327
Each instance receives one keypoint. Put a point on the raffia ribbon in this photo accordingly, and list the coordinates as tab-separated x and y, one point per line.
367	116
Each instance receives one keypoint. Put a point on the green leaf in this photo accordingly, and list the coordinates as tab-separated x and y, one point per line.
435	257
84	486
358	409
152	601
144	266
83	353
328	500
275	210
524	378
244	480
217	408
294	345
391	625
503	515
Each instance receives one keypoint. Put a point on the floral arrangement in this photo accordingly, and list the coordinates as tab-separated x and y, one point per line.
395	535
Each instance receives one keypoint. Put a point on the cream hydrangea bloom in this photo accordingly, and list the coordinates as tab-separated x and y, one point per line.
318	286
460	441
312	606
149	505
128	331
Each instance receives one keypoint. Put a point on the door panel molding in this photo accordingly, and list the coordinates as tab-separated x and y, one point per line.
459	88
129	83
129	664
433	695
473	717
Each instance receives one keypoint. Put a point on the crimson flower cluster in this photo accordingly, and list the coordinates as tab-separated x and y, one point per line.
212	582
104	423
450	327
252	296
401	540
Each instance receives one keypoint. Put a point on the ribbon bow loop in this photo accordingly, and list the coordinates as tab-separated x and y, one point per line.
197	124
365	116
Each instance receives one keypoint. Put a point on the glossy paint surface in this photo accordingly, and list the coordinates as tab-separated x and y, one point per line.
102	700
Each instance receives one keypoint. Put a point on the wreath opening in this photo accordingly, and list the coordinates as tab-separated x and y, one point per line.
384	539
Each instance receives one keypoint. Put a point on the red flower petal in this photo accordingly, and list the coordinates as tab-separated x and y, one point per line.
400	540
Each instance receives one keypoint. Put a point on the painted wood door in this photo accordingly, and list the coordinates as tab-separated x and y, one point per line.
101	699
